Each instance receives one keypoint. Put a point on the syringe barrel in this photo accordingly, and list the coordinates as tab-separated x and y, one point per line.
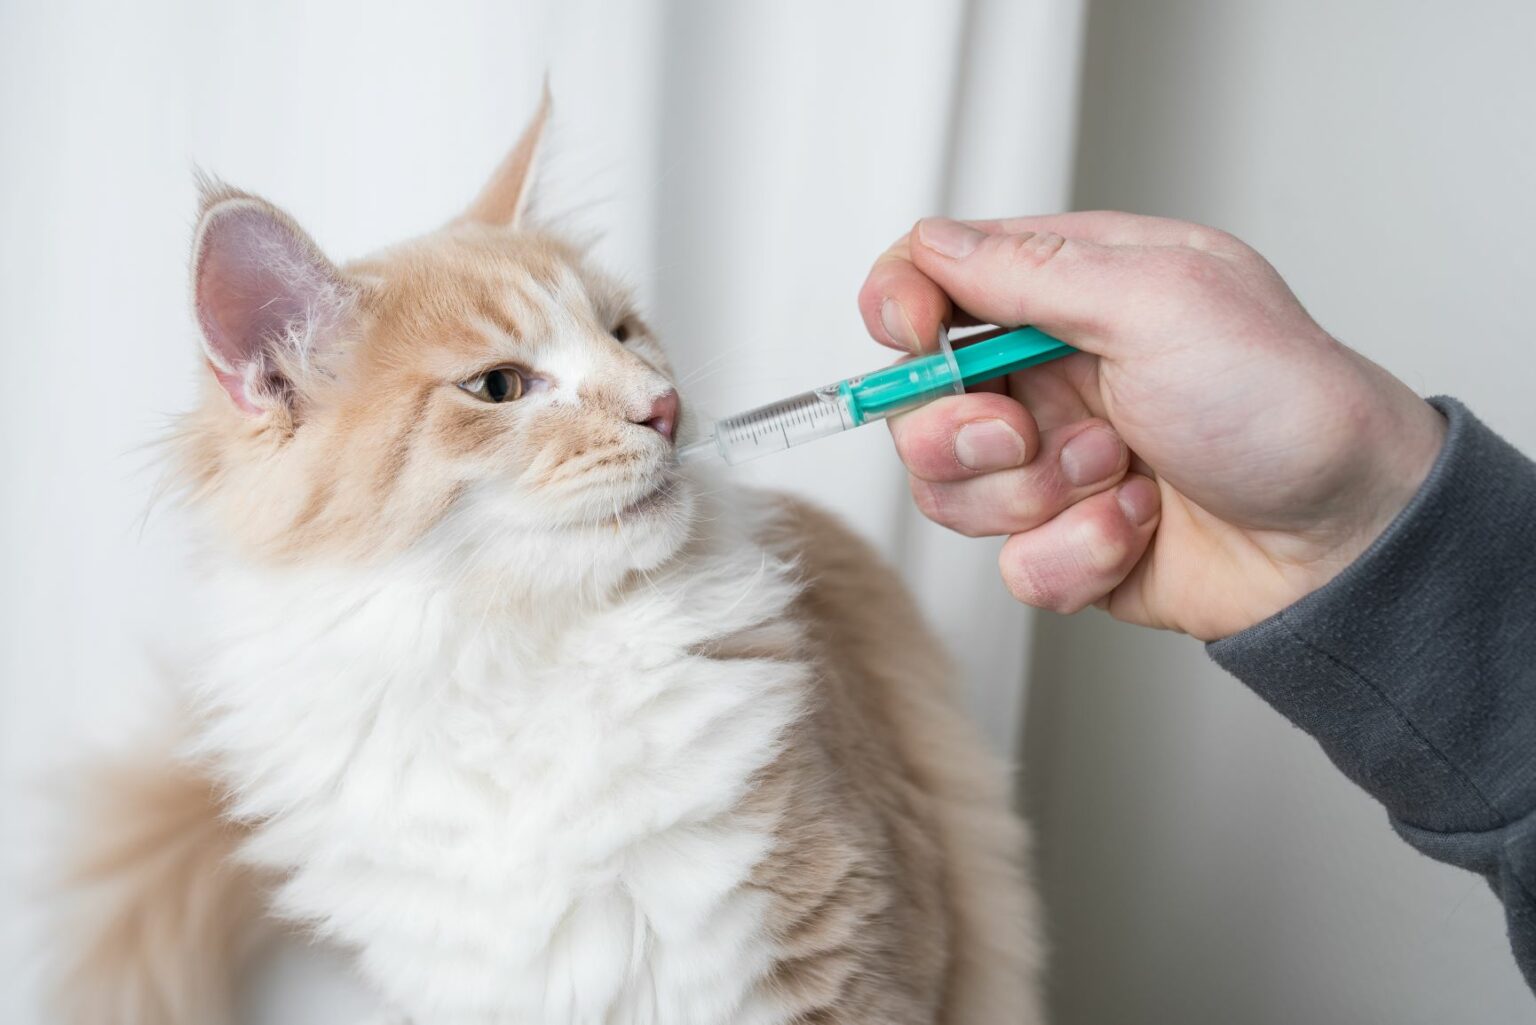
784	424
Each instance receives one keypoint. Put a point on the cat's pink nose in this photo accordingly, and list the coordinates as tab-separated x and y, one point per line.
662	417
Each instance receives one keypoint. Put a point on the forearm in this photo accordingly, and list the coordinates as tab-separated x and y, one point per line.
1416	667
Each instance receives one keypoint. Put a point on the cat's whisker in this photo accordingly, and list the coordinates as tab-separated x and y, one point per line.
164	482
711	364
162	487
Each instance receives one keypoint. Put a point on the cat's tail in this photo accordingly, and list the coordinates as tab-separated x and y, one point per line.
152	912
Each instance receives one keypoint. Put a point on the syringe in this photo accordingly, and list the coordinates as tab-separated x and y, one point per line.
844	405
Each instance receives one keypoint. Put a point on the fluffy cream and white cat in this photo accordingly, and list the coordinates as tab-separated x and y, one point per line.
496	696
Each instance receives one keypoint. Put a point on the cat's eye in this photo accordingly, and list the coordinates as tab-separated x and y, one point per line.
500	385
621	332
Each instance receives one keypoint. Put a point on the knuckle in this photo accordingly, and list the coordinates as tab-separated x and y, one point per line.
1217	241
965	526
902	435
878	282
1194	270
1021	256
1030	251
927	498
1034	496
922	446
936	503
1101	545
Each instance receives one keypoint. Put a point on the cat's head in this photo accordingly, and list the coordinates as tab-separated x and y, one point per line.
479	396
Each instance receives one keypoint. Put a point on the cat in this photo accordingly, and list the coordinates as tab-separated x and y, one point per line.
538	726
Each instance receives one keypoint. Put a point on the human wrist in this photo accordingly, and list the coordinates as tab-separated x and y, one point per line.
1396	446
1387	442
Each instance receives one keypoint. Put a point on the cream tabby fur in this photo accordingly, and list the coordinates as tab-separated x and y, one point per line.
494	695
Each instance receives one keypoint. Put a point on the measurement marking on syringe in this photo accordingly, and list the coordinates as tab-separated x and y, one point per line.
784	424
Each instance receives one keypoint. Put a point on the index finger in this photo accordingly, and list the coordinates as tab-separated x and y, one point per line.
1110	228
903	308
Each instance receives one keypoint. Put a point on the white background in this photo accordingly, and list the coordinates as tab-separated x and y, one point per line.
746	161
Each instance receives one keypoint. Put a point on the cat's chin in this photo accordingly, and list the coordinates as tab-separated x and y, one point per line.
652	501
650	529
585	548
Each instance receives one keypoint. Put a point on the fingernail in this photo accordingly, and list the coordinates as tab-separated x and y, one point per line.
894	319
1091	456
948	238
1138	499
988	445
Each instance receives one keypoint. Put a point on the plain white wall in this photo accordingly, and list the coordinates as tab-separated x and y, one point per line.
1202	859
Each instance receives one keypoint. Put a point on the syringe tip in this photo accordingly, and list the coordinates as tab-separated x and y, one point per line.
698	450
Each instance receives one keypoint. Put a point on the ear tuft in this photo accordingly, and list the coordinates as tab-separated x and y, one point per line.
504	199
213	190
267	298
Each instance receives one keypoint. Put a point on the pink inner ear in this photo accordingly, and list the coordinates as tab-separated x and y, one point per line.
234	385
260	286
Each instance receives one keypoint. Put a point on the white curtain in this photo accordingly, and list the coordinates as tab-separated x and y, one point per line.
744	161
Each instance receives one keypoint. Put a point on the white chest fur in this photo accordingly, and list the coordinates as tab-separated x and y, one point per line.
508	827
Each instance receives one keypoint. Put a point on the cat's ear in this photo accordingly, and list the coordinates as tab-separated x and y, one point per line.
268	301
504	198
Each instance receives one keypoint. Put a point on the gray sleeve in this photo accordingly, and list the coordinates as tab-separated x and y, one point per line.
1415	668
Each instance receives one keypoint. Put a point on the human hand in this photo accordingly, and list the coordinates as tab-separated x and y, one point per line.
1210	457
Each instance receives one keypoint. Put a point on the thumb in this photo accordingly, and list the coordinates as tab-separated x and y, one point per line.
1068	287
